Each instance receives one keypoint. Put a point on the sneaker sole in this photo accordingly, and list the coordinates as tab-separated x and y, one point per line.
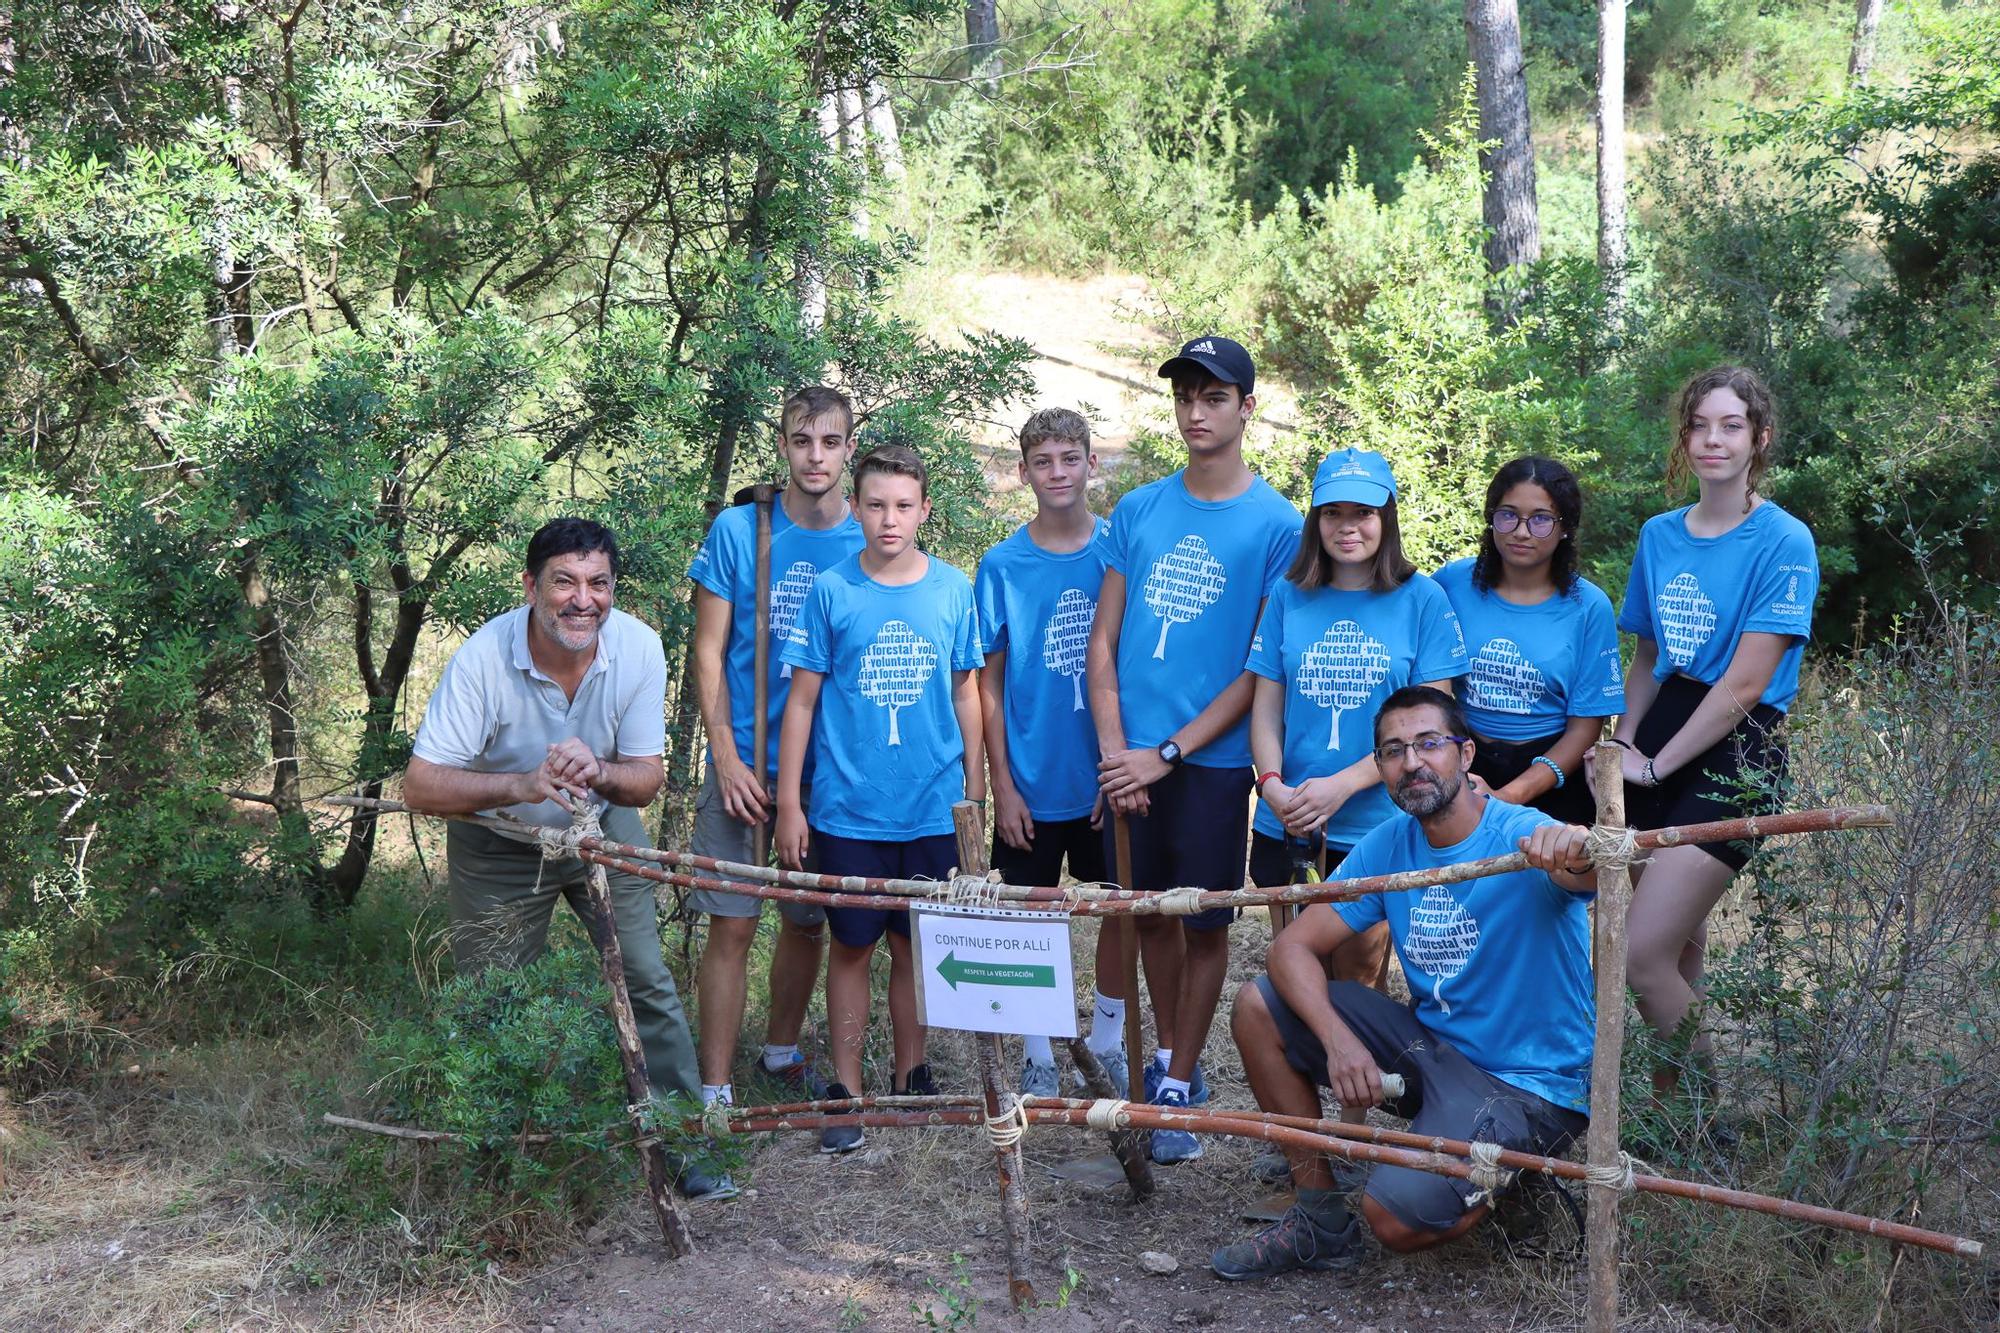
1250	1275
714	1195
844	1148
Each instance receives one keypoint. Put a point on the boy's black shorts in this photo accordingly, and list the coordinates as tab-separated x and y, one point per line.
930	857
1194	837
1055	841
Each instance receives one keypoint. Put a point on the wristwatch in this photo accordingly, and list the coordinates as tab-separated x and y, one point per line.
1170	753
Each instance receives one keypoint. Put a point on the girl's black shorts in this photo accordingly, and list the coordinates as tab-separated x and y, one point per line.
1739	775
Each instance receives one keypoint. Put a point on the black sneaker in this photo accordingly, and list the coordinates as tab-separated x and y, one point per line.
698	1182
1296	1240
918	1083
840	1138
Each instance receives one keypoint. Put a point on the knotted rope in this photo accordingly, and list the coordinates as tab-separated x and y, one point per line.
1611	848
1622	1175
1180	902
1007	1128
1105	1113
560	843
972	891
1487	1174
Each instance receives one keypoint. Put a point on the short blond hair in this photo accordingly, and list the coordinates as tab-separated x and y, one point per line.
1055	423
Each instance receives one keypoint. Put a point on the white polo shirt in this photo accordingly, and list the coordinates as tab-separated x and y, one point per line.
493	712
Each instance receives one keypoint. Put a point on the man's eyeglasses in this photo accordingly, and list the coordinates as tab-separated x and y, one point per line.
1540	524
1390	751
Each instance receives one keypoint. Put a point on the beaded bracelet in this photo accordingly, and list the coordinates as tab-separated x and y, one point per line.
1552	766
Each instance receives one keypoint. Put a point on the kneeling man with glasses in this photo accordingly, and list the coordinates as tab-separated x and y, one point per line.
1495	1044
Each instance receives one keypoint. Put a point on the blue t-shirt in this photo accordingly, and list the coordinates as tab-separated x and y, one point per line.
1195	572
726	565
891	756
1533	668
1339	654
1037	607
1696	596
1499	967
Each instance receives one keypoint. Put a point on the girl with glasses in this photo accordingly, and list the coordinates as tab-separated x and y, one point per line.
1351	623
1544	671
1720	599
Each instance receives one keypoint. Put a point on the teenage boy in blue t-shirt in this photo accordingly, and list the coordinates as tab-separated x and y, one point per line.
895	742
1037	594
1496	1045
812	528
1192	558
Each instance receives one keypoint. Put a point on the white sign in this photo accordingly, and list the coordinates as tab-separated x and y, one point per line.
994	970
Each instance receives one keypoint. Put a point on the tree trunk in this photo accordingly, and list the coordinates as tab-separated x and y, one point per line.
1861	59
882	131
982	42
1493	29
811	278
1611	150
230	312
854	145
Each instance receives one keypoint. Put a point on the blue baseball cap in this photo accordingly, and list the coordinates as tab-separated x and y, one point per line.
1354	476
1221	357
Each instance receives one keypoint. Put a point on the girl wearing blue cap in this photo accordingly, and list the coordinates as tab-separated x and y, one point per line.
1720	600
1544	670
1351	622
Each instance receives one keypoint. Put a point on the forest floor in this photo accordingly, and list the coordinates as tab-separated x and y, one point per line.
161	1195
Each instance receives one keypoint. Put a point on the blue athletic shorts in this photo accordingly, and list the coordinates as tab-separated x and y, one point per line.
929	857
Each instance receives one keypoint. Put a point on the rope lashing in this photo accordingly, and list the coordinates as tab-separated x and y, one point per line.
559	844
1611	848
1007	1128
972	891
1622	1175
1487	1175
1106	1113
1180	902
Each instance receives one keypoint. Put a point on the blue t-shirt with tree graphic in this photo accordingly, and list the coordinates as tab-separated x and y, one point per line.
1697	596
1533	668
890	753
1500	966
1339	653
1195	572
726	565
1037	606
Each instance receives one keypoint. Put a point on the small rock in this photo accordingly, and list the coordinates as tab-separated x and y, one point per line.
1159	1263
547	1328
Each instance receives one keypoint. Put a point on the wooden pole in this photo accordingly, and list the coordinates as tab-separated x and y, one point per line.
1126	1146
638	1087
1128	973
760	670
969	824
1614	901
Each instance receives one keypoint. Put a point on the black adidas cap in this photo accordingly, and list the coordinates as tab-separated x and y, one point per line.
1220	357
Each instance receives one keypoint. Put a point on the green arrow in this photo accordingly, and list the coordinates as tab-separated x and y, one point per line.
995	974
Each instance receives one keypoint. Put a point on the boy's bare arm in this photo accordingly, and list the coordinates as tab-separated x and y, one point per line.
965	702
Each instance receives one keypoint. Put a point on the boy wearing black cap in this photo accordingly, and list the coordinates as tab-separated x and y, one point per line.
1191	558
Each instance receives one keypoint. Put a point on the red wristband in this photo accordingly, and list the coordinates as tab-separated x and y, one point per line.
1263	778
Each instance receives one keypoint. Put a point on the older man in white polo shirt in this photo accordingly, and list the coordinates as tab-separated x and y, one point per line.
557	702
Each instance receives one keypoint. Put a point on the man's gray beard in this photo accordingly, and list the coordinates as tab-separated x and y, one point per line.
557	633
1425	800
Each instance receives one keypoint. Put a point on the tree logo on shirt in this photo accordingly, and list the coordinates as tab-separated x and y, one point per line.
1687	618
788	594
1503	679
894	669
1441	939
1065	637
1342	670
1182	584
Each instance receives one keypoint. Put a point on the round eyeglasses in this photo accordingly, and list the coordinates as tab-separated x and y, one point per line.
1540	523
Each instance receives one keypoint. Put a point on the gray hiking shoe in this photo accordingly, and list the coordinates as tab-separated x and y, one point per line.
840	1138
1296	1240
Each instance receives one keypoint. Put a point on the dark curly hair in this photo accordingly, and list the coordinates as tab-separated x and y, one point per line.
1562	487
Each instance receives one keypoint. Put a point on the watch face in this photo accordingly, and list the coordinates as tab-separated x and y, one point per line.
1170	752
